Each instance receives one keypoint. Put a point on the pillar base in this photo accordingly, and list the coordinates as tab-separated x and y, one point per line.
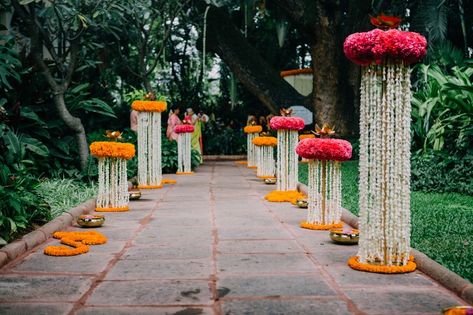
253	167
356	265
116	209
241	162
266	177
284	196
150	186
321	227
184	173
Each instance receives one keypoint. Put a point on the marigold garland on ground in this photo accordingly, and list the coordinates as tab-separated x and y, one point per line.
265	141
266	177
310	226
149	106
111	209
355	264
284	196
109	149
241	162
166	181
78	240
253	129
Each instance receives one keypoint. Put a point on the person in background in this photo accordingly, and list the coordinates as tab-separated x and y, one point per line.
134	120
196	140
263	123
251	120
173	120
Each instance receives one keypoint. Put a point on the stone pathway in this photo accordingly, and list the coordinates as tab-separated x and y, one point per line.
211	245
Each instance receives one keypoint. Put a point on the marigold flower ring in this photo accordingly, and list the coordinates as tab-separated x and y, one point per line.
324	149
306	136
265	141
287	123
108	149
377	45
183	128
149	106
253	129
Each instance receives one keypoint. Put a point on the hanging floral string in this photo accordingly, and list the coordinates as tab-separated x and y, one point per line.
287	164
252	132
184	132
385	113
149	142
325	189
79	241
265	156
113	185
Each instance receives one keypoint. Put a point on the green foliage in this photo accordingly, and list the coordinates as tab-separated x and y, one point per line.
221	139
442	108
441	222
169	156
63	194
437	171
10	64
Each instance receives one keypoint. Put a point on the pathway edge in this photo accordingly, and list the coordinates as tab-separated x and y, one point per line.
449	279
28	241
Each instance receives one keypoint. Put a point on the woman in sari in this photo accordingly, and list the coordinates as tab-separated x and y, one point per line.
173	120
197	134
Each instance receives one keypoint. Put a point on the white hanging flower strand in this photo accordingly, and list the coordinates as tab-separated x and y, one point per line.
149	143
265	156
113	184
252	132
184	132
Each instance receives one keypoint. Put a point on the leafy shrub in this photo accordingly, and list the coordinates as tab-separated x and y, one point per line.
437	171
221	139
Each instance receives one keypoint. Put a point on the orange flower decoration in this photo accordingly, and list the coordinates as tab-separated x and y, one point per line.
102	149
253	129
265	141
354	263
306	136
311	226
149	106
385	22
78	240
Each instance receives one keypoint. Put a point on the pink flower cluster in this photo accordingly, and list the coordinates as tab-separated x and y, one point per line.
377	45
324	149
289	123
183	128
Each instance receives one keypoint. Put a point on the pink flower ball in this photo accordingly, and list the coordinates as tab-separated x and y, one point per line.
375	46
183	128
288	123
324	149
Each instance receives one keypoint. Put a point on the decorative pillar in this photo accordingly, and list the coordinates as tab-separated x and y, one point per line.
325	182
252	132
287	162
149	143
113	185
265	156
306	136
184	132
385	115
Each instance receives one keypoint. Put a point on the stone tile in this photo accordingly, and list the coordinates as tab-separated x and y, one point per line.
274	285
253	233
388	301
34	308
284	307
92	262
258	246
25	288
151	292
191	310
269	263
345	276
160	269
336	257
168	252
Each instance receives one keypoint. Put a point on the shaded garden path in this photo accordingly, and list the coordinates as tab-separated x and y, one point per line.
211	245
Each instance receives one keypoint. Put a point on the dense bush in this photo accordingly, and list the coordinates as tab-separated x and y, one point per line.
222	139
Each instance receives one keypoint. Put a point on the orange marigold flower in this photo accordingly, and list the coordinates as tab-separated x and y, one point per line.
78	240
149	106
253	129
265	141
120	150
354	263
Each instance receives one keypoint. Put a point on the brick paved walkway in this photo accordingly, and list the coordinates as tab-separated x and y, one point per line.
211	245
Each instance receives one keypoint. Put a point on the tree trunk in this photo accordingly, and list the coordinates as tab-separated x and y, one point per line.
147	84
75	124
246	63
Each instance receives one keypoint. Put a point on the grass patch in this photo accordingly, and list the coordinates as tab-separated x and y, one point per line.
442	223
63	194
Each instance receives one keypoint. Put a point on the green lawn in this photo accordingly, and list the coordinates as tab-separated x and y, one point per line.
442	224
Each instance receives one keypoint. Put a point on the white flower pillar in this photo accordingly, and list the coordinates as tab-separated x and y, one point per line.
252	131
385	115
184	132
113	184
149	143
325	184
287	161
265	156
